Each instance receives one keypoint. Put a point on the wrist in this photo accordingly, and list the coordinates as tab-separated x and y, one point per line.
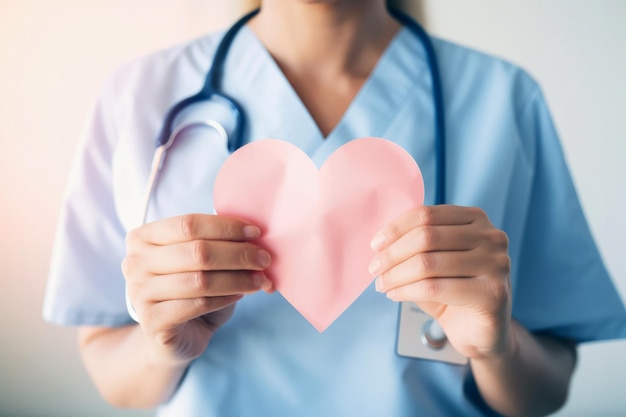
529	377
506	351
164	357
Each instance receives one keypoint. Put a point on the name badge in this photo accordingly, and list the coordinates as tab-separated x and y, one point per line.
420	337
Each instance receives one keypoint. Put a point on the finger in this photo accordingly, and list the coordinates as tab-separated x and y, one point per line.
176	312
207	255
483	292
205	284
190	227
431	265
442	215
425	239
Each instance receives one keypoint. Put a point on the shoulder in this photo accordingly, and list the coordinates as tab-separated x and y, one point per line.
162	68
492	98
484	76
140	91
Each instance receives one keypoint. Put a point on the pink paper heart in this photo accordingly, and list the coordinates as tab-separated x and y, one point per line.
318	224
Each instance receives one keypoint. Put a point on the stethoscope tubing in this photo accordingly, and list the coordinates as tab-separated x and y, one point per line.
234	141
437	93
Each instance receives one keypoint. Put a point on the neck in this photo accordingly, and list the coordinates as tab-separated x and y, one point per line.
340	37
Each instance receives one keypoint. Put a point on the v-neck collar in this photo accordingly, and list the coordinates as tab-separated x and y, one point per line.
274	109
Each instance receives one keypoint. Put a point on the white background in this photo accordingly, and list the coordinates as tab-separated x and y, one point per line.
54	55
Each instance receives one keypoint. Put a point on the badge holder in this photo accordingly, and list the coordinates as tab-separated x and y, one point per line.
421	337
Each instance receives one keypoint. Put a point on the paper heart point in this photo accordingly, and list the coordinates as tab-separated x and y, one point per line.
318	224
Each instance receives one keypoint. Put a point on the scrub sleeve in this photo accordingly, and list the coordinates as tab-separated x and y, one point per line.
562	286
86	285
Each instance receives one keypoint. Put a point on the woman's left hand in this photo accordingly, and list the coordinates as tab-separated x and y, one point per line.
454	264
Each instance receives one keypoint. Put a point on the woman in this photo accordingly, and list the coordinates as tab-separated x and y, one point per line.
507	268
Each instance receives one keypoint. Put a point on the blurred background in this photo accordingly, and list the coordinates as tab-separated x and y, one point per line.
54	56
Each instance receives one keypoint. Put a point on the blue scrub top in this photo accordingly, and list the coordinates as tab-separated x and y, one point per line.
503	155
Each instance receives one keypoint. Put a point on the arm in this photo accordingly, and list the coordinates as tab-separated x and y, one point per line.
183	276
454	264
124	375
532	379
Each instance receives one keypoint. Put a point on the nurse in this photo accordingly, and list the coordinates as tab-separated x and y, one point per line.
508	268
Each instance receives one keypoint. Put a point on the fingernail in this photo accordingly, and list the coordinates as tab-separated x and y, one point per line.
251	232
379	284
391	294
260	281
378	242
264	258
375	267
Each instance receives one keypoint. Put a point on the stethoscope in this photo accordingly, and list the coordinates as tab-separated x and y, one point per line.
230	127
228	120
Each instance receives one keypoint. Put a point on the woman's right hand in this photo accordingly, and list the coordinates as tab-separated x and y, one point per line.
184	275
